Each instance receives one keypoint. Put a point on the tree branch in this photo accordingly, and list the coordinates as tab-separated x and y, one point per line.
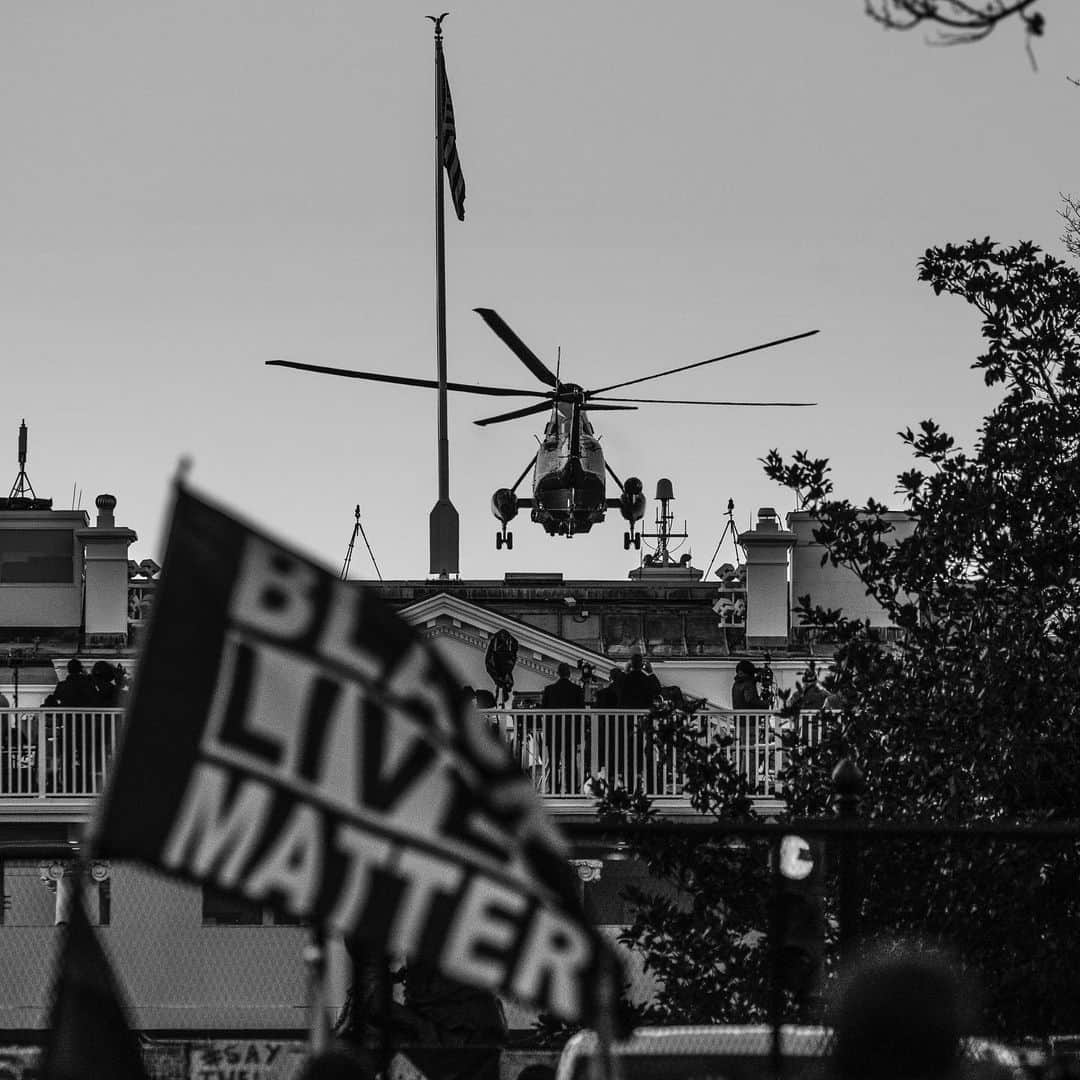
1070	213
957	22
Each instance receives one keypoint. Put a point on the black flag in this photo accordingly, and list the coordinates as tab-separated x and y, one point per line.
311	753
88	1037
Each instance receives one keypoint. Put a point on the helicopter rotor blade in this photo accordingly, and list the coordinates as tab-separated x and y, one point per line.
517	346
695	401
528	410
402	380
702	363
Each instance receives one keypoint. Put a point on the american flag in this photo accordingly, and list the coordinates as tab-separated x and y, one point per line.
450	154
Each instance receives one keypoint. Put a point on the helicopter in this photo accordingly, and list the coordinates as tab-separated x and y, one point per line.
569	488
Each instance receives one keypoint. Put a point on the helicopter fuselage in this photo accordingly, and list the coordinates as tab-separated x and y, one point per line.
569	489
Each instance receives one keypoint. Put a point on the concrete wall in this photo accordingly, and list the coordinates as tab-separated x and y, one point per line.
177	972
835	586
714	682
39	604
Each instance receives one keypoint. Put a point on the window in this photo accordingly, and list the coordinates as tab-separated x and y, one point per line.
221	910
37	557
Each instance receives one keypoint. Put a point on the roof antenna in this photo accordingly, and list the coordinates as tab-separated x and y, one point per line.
22	495
358	528
22	488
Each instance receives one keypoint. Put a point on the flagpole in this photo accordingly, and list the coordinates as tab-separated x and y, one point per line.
443	521
607	1065
318	1022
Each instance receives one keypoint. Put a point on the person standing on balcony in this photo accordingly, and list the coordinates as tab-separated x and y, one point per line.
639	689
744	691
563	693
68	755
809	695
559	696
607	697
76	691
103	680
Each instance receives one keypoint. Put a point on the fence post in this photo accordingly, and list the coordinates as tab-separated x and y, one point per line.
847	782
41	752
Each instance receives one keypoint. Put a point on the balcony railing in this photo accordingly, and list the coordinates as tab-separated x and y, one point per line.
56	753
65	753
566	753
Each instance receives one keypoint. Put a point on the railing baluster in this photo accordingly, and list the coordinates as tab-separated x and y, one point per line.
558	750
40	754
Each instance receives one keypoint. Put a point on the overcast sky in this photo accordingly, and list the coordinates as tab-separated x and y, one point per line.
191	189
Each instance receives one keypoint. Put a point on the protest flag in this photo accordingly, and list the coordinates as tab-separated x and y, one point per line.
88	1036
291	741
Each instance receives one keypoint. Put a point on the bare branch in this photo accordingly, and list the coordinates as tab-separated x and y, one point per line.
1070	213
957	22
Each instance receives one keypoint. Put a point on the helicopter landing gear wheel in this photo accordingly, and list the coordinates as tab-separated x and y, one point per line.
498	541
509	541
626	541
637	542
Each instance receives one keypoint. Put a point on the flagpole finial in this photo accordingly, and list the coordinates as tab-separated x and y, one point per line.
437	20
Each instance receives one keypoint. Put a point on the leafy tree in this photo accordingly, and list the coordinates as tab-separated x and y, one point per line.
975	714
699	924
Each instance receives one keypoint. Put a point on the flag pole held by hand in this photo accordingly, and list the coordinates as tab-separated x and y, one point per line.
315	961
606	1063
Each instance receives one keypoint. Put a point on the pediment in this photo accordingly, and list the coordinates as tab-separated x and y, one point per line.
459	627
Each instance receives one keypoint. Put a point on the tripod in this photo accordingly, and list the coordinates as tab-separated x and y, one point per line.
729	527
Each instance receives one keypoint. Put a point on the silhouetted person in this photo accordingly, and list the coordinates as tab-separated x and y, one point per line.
674	696
809	695
607	697
103	681
744	691
900	1014
597	780
638	688
563	693
76	691
564	735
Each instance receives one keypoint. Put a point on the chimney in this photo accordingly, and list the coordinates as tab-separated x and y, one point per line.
105	562
105	504
767	547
